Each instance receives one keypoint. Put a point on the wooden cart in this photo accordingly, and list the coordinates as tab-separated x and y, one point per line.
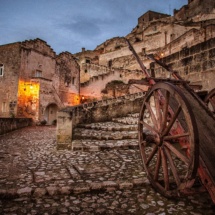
176	134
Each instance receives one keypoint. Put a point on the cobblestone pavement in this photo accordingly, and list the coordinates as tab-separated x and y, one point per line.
35	178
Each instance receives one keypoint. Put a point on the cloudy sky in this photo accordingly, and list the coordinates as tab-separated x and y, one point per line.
69	25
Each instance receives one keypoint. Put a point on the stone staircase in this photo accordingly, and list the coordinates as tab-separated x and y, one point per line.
118	133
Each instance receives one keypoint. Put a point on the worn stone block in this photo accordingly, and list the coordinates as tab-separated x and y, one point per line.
26	191
186	61
195	49
211	53
184	53
201	56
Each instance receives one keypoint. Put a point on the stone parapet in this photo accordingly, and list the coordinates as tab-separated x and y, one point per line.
11	124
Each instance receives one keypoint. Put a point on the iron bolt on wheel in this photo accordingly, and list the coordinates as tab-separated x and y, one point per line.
168	140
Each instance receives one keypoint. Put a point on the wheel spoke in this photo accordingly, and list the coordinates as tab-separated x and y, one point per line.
172	166
154	150
150	128
152	115
158	165
166	131
165	111
176	136
176	152
165	169
158	109
168	138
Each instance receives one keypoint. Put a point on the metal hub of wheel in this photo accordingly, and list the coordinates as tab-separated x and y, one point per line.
168	140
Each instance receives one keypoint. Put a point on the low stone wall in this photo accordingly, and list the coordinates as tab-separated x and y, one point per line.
103	110
10	124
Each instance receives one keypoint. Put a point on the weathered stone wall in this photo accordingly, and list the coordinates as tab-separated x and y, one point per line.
103	110
149	16
37	68
156	36
194	8
196	64
68	73
10	124
86	57
112	44
40	46
96	84
10	58
35	78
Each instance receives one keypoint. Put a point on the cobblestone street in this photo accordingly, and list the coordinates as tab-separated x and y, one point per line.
35	178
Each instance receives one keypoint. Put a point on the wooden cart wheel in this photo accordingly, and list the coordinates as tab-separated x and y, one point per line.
168	140
210	100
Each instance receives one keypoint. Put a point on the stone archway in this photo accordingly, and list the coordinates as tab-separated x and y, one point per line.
51	113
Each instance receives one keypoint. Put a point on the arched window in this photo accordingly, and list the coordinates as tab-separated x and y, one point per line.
1	69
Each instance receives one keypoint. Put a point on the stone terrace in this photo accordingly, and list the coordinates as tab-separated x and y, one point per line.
100	175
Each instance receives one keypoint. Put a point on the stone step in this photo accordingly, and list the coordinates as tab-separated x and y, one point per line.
129	120
134	115
109	126
82	133
98	145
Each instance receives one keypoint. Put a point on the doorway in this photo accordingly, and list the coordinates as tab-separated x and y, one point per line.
51	114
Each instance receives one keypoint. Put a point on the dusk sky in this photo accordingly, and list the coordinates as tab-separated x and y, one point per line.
69	25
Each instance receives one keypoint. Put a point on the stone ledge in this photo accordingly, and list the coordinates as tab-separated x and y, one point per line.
105	186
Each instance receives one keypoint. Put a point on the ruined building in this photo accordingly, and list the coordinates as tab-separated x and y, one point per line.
184	40
35	82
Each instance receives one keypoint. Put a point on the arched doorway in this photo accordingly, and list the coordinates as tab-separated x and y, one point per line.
51	113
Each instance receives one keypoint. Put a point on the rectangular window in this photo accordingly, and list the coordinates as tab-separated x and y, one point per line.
4	107
38	74
1	69
73	80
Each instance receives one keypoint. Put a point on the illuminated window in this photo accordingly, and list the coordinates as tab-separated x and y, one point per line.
1	69
38	73
4	107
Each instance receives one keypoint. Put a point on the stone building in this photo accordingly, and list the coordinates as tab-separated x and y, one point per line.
159	34
35	82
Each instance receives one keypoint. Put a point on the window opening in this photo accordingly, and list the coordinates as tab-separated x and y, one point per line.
38	74
87	61
1	69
